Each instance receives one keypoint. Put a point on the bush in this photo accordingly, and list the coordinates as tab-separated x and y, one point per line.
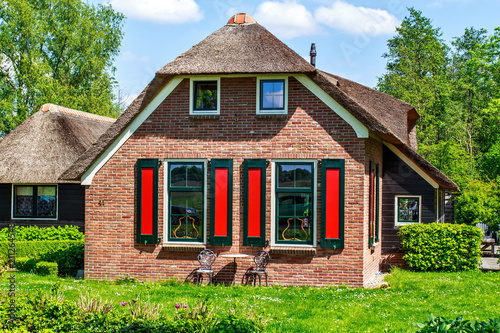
24	264
46	268
440	324
67	254
441	246
35	233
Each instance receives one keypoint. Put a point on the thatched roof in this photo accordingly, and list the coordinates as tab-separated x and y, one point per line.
248	48
47	143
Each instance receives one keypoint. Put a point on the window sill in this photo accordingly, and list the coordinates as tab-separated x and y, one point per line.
296	250
271	116
184	248
195	117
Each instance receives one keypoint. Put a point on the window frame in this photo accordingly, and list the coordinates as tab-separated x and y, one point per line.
274	208
166	215
262	111
192	83
396	209
35	194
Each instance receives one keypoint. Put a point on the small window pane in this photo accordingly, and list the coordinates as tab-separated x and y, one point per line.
186	215
23	201
186	175
291	204
205	95
186	202
273	94
408	209
295	176
46	201
294	229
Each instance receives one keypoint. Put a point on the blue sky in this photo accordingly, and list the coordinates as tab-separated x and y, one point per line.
350	35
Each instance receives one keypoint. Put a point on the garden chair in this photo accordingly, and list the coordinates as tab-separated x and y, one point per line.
488	239
206	258
261	260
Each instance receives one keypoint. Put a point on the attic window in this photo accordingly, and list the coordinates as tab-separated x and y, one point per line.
272	96
205	97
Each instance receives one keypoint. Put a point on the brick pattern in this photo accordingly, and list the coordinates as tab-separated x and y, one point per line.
310	131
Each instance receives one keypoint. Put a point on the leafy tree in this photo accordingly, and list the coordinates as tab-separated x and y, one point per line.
56	51
479	202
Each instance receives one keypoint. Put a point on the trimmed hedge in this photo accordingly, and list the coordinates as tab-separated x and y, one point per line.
441	246
35	233
67	254
46	268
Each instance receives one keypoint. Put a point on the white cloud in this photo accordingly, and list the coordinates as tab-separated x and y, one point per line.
159	11
287	19
357	20
132	57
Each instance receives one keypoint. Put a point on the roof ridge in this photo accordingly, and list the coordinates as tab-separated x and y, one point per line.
57	108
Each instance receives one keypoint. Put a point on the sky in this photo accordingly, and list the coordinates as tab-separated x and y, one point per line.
350	35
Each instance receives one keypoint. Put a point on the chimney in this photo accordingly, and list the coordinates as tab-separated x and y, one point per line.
313	54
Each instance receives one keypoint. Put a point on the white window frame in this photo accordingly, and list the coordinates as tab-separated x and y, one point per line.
273	203
192	110
396	209
285	92
166	224
13	198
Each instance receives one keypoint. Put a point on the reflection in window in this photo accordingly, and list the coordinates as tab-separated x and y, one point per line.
408	209
205	95
294	198
35	201
272	94
186	202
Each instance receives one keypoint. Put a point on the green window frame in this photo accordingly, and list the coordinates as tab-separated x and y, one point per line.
408	209
35	201
186	200
151	187
294	202
205	96
327	241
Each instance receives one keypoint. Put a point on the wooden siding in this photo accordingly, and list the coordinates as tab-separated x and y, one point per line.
399	179
71	207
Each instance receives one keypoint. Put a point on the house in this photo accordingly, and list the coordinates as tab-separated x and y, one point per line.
33	156
240	144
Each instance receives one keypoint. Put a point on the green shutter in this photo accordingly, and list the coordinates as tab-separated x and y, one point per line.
147	201
221	201
254	198
332	203
377	202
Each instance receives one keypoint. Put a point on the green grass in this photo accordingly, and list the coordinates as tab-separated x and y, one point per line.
411	298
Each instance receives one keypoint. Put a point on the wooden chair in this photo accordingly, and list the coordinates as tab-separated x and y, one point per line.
488	239
206	258
261	260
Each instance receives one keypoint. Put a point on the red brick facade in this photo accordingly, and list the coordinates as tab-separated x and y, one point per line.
310	131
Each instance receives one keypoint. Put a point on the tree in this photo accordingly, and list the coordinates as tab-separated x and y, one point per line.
56	51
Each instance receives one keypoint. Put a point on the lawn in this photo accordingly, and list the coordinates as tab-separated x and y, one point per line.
411	298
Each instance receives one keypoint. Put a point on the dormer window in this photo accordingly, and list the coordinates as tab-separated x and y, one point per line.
272	96
205	97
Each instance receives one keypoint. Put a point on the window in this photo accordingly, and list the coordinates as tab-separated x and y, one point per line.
294	202
35	201
205	96
272	96
186	200
407	209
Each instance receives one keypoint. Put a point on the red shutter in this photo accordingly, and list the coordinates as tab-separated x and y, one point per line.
221	201
332	214
147	188
254	201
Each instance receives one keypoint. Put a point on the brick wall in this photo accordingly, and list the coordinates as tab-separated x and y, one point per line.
310	131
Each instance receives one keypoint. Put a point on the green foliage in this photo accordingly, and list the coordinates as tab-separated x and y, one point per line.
68	255
58	51
440	246
35	233
46	268
479	202
24	264
440	324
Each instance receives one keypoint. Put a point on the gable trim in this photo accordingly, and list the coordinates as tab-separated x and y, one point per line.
88	176
412	165
357	126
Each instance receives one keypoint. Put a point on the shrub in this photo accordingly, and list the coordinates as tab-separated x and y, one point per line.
35	233
46	268
24	264
440	324
479	202
441	246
